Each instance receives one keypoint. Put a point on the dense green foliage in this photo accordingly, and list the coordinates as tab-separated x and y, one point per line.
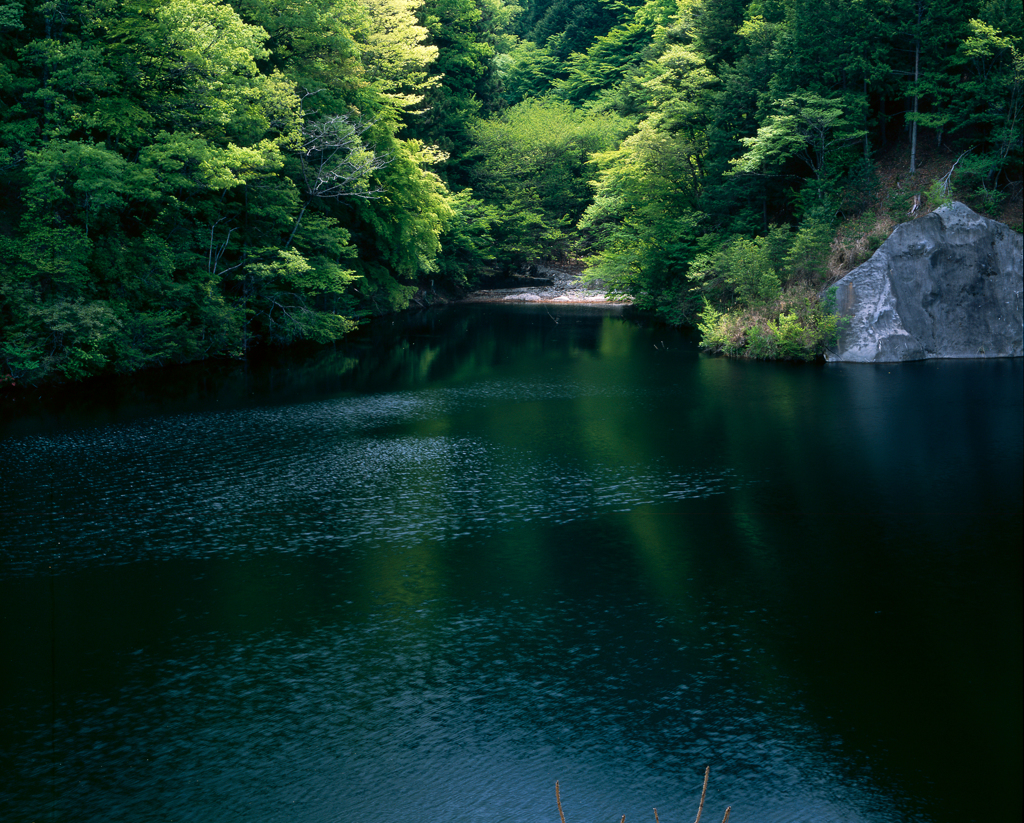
535	168
186	178
756	124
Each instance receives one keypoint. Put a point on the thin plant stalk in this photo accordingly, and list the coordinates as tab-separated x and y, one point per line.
700	808
704	791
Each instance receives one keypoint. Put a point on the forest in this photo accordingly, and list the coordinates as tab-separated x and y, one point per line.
186	179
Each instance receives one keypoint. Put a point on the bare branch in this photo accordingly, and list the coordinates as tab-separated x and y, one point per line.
335	162
945	181
214	254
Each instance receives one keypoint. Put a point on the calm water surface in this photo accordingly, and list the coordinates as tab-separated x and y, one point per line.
423	575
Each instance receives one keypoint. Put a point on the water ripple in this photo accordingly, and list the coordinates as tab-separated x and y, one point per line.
302	478
471	714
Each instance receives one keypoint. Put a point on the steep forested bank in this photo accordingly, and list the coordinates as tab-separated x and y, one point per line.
182	179
186	179
772	145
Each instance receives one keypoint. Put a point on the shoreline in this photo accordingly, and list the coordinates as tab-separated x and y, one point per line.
537	296
562	287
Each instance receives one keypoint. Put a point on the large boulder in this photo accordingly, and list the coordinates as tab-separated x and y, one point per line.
945	285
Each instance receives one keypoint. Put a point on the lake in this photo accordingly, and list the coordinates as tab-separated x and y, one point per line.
422	575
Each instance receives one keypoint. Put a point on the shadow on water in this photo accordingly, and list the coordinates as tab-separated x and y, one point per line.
392	353
428	572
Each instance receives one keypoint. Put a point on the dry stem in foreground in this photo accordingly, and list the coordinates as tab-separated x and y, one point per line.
700	808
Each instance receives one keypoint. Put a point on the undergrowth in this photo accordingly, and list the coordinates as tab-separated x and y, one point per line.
798	325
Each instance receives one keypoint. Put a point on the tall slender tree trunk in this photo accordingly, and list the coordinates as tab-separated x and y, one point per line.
298	220
867	140
917	97
913	123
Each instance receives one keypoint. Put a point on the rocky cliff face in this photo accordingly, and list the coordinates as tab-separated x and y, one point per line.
946	285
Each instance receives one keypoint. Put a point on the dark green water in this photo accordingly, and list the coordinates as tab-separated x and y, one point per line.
423	576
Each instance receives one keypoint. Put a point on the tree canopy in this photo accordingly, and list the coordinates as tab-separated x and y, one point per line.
188	178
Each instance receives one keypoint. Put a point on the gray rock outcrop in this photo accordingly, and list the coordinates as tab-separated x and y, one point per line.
945	285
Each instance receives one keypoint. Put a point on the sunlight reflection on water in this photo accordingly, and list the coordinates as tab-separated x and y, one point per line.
330	473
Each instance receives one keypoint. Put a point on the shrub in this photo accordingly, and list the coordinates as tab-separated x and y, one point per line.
797	326
793	340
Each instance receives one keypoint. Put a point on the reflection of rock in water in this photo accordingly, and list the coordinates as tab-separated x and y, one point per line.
543	283
946	285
